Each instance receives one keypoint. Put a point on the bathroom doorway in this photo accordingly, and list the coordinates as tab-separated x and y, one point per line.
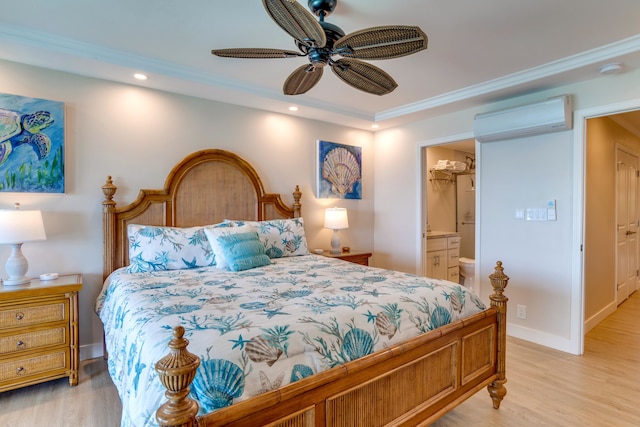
448	206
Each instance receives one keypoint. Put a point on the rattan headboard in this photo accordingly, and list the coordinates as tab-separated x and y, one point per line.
204	188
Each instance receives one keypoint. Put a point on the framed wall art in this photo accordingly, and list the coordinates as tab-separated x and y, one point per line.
339	171
31	145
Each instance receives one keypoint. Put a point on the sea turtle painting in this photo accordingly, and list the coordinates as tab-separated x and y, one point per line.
31	145
16	130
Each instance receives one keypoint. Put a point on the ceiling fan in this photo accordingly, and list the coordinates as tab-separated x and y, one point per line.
320	41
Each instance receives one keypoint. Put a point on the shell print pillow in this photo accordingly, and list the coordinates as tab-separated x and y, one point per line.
280	237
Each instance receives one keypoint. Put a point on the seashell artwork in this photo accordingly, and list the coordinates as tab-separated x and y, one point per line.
357	343
456	298
440	316
217	383
260	350
299	372
385	326
339	171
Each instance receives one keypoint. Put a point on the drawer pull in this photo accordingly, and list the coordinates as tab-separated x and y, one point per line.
19	316
20	371
20	344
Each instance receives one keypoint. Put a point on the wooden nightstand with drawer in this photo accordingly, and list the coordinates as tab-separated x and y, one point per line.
356	257
39	332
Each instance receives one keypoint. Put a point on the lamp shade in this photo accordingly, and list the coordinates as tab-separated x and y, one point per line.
336	218
17	226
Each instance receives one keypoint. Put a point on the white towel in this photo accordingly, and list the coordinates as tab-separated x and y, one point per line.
458	166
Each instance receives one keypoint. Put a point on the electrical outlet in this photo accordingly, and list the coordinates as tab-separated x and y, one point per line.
521	311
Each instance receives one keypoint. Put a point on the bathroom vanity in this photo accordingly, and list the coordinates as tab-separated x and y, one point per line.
443	251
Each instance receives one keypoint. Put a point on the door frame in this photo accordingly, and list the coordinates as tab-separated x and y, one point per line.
579	169
423	177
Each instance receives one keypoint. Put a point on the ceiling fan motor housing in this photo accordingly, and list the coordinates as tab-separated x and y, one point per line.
322	56
320	6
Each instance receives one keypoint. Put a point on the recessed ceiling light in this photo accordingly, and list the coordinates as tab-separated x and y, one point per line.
140	76
612	68
293	108
375	126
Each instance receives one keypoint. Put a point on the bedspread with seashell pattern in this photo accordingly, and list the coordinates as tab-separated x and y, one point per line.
259	329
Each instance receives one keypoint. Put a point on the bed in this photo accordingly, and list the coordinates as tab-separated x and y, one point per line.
402	362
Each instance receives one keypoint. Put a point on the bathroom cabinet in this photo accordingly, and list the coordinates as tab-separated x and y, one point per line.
443	251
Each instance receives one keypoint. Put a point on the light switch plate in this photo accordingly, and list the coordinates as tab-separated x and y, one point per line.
536	214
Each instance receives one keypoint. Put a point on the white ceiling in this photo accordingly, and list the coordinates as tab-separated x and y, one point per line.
479	51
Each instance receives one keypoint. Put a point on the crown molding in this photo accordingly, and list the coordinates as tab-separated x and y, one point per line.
580	60
81	58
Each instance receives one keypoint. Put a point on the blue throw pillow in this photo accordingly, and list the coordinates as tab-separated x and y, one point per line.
243	251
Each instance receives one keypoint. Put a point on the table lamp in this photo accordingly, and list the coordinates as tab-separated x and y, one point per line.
17	227
336	219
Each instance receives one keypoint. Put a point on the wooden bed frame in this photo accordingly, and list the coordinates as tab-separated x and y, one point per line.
409	384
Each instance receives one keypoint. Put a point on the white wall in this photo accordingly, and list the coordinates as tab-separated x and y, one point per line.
541	258
137	135
525	173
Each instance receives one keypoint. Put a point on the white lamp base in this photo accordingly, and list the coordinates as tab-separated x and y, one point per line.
16	267
335	243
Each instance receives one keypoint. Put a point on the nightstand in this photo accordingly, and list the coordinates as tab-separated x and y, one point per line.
39	332
355	257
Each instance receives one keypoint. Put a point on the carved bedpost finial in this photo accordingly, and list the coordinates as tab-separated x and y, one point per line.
297	206
176	371
109	190
499	281
108	228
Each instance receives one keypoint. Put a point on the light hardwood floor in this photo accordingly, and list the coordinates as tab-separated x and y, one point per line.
545	387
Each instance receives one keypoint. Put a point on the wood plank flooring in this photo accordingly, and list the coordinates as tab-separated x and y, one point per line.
545	387
551	388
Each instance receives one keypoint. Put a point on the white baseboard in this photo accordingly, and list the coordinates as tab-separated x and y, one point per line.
591	322
91	351
542	338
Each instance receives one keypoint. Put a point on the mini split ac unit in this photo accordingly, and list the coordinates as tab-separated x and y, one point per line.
552	115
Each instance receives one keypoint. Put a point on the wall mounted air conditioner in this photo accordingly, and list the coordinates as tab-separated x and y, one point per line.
553	115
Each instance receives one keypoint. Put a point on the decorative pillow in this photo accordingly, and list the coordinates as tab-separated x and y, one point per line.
243	251
213	233
280	237
153	248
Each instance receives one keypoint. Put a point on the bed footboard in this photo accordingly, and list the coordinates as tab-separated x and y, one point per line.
454	361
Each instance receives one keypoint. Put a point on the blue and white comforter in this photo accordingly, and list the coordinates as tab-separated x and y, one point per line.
260	329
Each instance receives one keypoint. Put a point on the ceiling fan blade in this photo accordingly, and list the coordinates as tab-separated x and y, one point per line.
296	21
364	76
384	42
302	79
258	53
